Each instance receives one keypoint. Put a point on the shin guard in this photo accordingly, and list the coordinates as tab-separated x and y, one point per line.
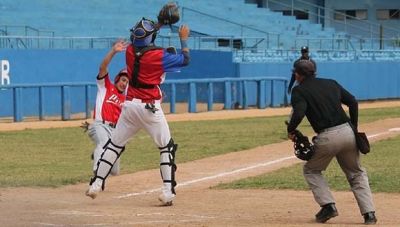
167	165
110	155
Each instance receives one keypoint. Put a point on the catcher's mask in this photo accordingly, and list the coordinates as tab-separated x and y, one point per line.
144	33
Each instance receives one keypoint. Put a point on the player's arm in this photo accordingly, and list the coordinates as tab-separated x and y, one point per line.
349	100
184	32
299	105
118	46
173	62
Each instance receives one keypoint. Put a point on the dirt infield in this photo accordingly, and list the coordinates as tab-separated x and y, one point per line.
131	200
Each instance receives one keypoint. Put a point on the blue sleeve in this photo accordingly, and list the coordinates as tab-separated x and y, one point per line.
174	62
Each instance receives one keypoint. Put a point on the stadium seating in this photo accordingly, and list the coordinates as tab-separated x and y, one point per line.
238	24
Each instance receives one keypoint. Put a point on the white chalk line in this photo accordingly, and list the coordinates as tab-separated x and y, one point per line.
223	174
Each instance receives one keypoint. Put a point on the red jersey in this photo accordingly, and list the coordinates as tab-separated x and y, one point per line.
153	65
108	101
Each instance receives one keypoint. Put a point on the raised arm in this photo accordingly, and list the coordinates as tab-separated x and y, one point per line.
184	32
119	45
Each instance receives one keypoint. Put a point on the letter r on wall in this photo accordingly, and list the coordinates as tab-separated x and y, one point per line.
5	69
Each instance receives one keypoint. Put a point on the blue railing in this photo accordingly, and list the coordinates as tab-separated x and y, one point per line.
246	91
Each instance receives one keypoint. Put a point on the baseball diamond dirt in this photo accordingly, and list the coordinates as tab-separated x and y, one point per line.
131	199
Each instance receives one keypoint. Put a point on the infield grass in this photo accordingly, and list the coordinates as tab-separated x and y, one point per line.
61	156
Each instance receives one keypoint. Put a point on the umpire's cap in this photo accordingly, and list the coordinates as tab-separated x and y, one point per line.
305	68
304	49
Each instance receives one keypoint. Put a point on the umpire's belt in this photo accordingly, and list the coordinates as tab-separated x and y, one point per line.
335	127
111	124
153	101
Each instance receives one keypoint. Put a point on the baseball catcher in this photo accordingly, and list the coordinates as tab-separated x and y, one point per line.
147	66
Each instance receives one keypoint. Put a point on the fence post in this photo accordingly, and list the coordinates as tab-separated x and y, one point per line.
41	104
245	95
18	115
172	99
285	97
228	96
261	94
65	103
87	101
272	93
210	99
192	97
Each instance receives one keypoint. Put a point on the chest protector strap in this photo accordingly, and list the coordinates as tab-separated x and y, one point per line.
134	82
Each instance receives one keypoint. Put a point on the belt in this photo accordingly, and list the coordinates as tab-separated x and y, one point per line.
153	101
335	127
112	125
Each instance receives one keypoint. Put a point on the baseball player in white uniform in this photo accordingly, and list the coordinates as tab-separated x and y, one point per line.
109	100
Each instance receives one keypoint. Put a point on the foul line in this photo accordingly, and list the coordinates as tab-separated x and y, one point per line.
223	174
211	177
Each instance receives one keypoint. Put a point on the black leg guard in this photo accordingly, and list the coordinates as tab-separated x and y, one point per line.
167	163
110	155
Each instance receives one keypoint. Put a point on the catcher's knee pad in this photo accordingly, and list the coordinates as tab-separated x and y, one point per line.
110	155
167	163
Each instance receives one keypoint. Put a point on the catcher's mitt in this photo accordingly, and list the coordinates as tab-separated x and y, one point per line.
303	149
169	14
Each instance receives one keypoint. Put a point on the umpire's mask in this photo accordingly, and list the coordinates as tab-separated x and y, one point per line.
144	33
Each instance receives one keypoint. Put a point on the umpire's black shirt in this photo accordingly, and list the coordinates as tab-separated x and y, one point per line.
321	101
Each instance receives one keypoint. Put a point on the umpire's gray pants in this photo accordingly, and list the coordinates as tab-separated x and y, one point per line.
338	142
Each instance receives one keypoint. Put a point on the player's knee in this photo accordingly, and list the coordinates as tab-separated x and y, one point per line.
171	147
117	149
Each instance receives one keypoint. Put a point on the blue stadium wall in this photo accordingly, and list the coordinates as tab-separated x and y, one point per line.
369	80
65	66
366	80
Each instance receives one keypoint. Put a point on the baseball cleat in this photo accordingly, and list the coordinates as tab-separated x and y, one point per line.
94	189
166	199
91	194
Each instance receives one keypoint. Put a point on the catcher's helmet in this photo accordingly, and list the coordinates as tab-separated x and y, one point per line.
304	49
143	33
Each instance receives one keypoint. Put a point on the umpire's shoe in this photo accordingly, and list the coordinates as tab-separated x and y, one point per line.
327	212
370	218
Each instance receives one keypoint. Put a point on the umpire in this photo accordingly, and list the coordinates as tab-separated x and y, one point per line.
320	100
304	56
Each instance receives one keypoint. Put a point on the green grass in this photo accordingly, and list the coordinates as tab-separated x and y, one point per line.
61	156
381	164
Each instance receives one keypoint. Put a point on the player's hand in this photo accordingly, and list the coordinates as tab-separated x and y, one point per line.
85	126
184	32
292	136
120	45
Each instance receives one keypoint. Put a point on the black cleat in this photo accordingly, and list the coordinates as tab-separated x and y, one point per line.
369	218
327	212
